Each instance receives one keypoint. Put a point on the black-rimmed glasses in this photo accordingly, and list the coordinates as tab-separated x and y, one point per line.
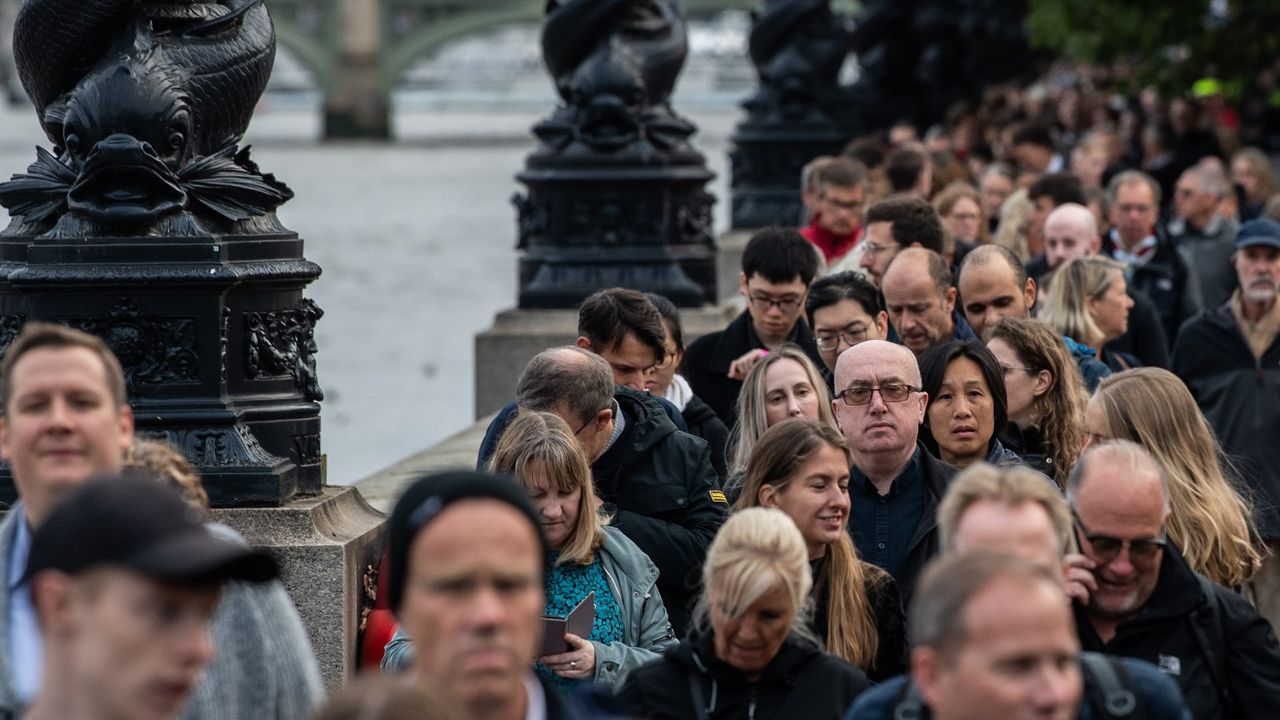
893	392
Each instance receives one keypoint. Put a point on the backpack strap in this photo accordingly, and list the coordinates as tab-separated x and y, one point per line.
1108	687
1208	619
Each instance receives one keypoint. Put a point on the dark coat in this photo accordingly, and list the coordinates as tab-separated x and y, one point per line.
703	422
665	497
926	542
1240	397
1168	632
1156	694
800	682
886	611
1145	339
1166	281
1030	446
706	362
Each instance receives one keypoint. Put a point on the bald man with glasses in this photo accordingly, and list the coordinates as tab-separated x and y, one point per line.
895	485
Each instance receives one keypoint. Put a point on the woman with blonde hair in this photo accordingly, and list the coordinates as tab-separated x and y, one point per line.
1251	169
631	627
802	468
1015	225
749	653
784	384
1088	301
1045	397
1208	520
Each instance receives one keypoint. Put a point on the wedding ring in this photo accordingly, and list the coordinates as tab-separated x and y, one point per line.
573	664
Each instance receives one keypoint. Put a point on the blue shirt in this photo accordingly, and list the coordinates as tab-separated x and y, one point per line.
26	655
883	525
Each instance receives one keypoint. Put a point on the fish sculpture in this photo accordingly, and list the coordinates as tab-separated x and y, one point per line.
145	104
615	64
798	48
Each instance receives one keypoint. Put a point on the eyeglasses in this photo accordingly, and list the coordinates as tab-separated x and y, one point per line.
893	392
873	249
1107	548
851	206
849	336
764	302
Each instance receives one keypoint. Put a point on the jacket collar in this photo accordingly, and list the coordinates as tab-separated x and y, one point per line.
650	421
698	653
740	336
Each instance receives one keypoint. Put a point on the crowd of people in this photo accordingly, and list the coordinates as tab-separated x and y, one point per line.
994	436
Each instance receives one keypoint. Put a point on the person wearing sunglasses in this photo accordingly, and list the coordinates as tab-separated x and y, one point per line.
1150	605
895	485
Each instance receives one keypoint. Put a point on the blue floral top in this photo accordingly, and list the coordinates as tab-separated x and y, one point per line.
567	585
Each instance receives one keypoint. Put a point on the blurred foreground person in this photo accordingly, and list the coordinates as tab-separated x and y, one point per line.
375	697
466	561
750	654
125	580
264	666
993	639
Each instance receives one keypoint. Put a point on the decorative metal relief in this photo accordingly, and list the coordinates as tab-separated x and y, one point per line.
145	104
211	447
152	349
10	326
282	344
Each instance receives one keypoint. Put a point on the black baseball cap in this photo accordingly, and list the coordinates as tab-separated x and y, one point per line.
137	523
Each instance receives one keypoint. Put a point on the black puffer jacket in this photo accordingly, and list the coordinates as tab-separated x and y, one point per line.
801	682
659	485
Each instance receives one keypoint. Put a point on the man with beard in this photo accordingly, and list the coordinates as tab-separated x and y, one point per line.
1230	359
1150	605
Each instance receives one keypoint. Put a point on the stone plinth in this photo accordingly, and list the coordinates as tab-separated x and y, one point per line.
323	544
517	335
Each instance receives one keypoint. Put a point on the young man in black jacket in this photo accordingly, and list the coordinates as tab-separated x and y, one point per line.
1150	605
777	267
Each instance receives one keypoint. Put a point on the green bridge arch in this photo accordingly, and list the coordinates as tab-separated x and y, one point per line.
395	35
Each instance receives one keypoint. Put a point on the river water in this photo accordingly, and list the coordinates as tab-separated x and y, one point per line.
416	237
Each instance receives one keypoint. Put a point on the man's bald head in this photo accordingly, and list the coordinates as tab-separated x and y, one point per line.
1070	231
878	353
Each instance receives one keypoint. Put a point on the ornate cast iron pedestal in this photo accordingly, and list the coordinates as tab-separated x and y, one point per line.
798	47
615	192
149	226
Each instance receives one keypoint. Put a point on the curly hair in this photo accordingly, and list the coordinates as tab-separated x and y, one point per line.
1059	411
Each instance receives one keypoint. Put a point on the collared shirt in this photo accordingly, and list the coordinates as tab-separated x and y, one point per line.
1143	251
26	655
883	525
537	709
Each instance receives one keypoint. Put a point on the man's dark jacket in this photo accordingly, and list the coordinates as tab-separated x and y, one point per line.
1166	281
1240	397
1156	695
706	363
665	497
1176	630
926	541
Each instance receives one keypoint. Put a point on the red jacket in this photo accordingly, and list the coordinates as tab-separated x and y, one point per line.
833	246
